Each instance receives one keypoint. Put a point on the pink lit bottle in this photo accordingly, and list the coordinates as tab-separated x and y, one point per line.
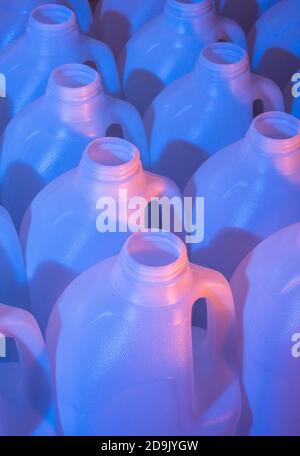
206	110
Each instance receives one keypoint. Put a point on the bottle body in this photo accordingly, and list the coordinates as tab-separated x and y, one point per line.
205	111
266	300
15	16
13	282
26	395
149	328
15	19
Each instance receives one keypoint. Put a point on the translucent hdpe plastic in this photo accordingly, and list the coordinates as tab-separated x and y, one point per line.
47	137
274	42
15	14
116	21
244	12
251	190
65	230
26	395
52	38
168	47
206	110
13	283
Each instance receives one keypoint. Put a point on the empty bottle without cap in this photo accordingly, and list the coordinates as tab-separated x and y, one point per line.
52	38
206	110
47	137
26	393
251	190
266	291
168	47
123	332
292	94
62	234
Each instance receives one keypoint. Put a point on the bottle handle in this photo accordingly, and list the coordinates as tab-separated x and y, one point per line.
232	32
268	92
128	118
106	65
212	286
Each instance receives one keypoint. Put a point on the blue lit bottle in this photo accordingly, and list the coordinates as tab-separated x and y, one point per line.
52	38
168	47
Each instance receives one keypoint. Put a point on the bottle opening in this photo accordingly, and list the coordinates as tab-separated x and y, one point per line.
75	82
154	255
188	8
111	159
52	18
276	132
225	59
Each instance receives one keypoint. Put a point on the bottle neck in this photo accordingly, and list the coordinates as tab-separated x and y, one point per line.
152	269
73	93
274	139
52	28
188	9
109	165
223	62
